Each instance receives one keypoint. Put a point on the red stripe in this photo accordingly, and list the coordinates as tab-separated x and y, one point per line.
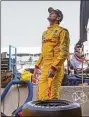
49	92
37	67
52	67
48	40
81	60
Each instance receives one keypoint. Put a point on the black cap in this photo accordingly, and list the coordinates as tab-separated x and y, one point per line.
57	11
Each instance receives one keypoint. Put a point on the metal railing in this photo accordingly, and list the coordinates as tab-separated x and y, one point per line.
13	62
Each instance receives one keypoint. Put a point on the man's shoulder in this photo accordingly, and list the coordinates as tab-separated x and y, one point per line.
63	29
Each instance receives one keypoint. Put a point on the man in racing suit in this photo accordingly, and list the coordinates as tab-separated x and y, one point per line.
55	50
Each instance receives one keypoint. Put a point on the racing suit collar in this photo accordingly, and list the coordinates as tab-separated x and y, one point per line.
53	26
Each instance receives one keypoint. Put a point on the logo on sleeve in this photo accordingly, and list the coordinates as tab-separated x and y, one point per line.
43	37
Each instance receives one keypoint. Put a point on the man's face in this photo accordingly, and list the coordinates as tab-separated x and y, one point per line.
78	51
52	16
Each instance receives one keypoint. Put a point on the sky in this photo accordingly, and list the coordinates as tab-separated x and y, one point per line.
22	22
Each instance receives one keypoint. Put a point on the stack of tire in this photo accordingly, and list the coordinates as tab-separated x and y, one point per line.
60	108
6	77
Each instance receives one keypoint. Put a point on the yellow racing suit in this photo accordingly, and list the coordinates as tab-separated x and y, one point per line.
55	50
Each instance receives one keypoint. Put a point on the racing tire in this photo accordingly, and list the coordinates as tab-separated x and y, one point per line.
60	108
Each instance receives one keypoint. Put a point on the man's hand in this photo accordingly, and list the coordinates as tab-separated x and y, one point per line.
35	72
51	73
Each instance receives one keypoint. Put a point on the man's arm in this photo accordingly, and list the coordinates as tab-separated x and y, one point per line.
63	50
39	62
37	66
